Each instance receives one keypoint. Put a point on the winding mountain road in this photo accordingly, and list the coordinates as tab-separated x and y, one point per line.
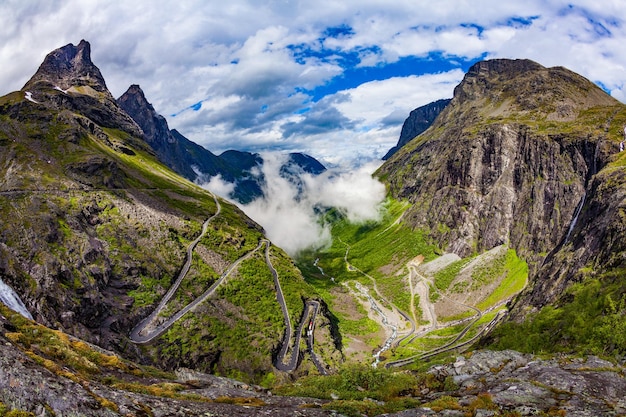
149	328
310	309
449	345
384	320
138	334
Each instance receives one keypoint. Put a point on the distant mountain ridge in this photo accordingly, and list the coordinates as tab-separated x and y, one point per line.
96	227
196	163
418	121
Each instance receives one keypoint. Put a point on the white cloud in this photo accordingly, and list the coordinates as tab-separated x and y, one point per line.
217	185
288	214
237	58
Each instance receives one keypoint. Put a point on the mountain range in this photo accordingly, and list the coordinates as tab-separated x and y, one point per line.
196	163
503	228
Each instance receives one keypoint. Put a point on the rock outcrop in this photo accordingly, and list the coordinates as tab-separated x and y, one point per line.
418	121
68	79
492	383
67	67
528	156
196	163
176	151
95	228
508	160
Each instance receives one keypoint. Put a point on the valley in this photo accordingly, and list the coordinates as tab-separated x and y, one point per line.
138	290
409	303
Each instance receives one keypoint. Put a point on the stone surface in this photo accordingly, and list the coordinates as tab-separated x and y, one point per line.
418	121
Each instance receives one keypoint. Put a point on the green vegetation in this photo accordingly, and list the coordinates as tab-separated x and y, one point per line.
376	248
5	411
78	361
374	245
243	321
355	384
514	273
589	320
444	277
375	255
359	390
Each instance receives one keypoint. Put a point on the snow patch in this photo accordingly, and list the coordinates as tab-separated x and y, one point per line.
29	96
12	300
56	87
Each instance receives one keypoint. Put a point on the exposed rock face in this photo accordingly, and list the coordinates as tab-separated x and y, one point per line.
68	79
523	385
199	164
488	172
594	241
154	126
95	228
49	387
69	66
418	121
175	150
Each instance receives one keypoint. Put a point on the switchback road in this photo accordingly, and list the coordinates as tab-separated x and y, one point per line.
150	328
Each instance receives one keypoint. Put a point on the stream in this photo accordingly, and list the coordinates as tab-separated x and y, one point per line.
575	219
385	321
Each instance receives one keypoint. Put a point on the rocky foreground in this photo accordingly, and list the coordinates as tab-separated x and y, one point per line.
510	383
81	380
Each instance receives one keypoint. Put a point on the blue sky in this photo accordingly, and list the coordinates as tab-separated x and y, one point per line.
333	79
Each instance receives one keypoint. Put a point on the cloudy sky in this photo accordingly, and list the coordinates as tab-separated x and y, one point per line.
332	78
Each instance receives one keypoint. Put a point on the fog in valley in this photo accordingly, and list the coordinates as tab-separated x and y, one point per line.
291	210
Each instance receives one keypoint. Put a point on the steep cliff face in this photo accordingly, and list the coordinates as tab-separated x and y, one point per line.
68	79
594	245
196	163
508	160
69	67
529	156
418	121
176	151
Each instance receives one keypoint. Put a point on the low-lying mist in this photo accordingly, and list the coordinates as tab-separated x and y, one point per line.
290	211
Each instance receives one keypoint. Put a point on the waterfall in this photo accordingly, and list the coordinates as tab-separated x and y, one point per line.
12	300
593	170
576	214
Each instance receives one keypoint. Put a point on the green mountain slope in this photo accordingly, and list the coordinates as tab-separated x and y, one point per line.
397	296
96	229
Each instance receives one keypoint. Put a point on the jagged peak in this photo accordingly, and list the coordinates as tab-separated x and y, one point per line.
154	126
135	91
135	98
69	66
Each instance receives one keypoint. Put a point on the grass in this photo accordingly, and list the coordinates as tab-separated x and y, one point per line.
444	277
74	359
376	254
589	320
386	244
515	277
125	218
360	390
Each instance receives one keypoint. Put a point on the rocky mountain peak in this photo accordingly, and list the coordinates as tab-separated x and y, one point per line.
418	121
69	66
502	67
154	126
500	87
513	146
